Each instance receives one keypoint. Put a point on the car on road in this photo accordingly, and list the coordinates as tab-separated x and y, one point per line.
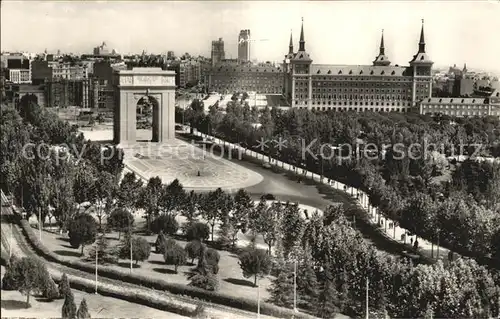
266	165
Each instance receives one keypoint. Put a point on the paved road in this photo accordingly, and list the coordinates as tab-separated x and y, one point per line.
284	186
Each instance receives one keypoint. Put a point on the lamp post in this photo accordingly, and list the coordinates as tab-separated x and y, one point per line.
295	285
258	297
130	234
96	262
10	242
367	298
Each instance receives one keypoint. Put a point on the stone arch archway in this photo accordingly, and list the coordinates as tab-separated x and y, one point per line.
132	85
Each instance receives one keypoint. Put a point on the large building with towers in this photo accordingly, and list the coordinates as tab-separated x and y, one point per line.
380	86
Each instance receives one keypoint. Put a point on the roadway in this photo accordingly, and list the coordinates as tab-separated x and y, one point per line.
285	187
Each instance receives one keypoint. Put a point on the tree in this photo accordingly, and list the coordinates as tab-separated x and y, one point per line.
104	255
141	249
64	288
281	289
193	249
217	205
307	282
165	223
328	299
237	219
129	191
27	276
83	310
172	197
82	231
174	255
69	307
149	199
105	188
189	208
120	220
255	262
198	231
292	228
268	224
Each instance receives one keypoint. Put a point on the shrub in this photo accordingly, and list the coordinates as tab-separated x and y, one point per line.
69	308
174	255
165	223
198	231
205	281
194	249
160	243
212	257
49	288
9	280
82	230
83	311
64	288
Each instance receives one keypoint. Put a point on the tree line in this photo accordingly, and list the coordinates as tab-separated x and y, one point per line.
395	184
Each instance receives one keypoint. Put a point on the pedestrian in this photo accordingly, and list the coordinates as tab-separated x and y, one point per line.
411	241
415	245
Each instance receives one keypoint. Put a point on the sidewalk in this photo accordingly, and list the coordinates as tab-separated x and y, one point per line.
425	247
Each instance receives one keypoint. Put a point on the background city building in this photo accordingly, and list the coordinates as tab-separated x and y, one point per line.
244	46
218	53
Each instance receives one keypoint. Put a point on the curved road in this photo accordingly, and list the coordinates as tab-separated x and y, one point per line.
284	186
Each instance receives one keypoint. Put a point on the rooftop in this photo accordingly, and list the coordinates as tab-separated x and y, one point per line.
439	100
365	70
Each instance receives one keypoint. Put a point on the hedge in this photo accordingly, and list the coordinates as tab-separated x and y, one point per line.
178	289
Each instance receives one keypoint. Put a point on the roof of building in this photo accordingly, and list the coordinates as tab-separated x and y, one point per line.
365	70
245	68
454	100
301	56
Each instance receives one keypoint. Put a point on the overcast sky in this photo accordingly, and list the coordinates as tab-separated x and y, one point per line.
345	32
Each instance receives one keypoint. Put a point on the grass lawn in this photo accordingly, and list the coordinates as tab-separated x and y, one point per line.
230	275
13	305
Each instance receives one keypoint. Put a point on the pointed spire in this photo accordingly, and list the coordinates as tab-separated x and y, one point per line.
290	46
382	48
421	44
302	43
465	67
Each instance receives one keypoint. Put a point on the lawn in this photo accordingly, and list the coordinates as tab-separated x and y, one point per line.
230	275
13	305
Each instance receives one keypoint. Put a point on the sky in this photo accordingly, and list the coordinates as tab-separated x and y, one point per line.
336	32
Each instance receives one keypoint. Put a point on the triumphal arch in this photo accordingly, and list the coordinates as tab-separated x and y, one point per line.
158	86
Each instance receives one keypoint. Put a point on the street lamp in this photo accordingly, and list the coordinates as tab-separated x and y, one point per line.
130	234
96	263
295	285
258	297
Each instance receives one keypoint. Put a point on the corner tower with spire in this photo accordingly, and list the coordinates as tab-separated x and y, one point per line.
421	66
300	69
382	59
